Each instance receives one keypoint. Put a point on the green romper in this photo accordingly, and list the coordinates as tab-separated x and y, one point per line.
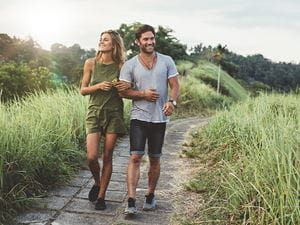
105	108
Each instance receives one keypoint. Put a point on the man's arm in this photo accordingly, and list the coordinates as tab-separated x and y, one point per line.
174	86
174	93
132	94
148	94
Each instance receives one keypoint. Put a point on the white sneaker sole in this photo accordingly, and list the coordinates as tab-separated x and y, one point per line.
130	212
149	207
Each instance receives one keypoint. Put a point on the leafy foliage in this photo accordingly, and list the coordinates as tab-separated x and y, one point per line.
166	43
20	79
23	51
69	61
26	67
255	71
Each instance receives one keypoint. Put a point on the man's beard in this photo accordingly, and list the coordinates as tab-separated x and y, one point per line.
144	49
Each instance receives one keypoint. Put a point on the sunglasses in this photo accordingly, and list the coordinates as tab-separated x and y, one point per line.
112	32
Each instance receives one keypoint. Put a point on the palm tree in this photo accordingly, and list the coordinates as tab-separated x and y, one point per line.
218	57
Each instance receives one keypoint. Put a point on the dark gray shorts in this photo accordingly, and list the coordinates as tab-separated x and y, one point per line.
154	133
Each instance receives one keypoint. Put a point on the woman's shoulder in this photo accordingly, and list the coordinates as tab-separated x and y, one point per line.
90	61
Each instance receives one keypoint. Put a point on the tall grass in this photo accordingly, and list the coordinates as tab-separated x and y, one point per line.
127	111
40	139
258	148
41	143
197	98
184	67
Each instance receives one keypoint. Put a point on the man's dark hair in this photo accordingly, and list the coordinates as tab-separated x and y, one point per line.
143	29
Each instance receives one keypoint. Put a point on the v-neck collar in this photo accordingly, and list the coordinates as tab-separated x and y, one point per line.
144	66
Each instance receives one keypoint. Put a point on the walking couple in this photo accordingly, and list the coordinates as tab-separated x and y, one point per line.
145	78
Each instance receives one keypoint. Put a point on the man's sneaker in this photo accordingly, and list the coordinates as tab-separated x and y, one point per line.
93	194
100	204
130	208
150	202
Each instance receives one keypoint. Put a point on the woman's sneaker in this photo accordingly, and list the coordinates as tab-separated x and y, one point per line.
150	202
93	194
130	208
100	204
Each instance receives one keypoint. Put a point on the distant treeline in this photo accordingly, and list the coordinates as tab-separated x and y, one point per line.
253	71
26	67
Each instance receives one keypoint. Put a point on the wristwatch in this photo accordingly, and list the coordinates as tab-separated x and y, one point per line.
174	103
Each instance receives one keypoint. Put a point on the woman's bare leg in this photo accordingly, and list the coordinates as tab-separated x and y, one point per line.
109	144
92	143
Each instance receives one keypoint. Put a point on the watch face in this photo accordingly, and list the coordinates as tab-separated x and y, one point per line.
173	102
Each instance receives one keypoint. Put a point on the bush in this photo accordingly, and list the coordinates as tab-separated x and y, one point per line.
17	80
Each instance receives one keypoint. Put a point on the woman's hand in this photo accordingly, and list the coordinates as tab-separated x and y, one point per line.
105	86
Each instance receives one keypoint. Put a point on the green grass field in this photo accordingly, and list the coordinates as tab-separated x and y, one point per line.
208	72
198	96
252	159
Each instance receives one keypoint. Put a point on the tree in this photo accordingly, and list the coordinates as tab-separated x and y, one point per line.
23	67
23	51
166	43
197	50
218	57
18	79
69	61
256	68
127	32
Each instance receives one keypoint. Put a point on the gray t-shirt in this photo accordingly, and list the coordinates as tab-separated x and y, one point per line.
156	78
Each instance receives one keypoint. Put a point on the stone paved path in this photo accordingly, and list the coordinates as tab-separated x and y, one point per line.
68	205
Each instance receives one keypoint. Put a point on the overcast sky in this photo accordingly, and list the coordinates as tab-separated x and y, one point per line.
269	27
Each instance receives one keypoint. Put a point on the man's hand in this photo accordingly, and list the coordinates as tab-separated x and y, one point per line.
122	85
151	95
168	109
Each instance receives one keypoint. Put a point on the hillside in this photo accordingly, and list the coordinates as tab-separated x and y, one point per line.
208	73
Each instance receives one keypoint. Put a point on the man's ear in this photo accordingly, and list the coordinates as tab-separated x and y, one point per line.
137	42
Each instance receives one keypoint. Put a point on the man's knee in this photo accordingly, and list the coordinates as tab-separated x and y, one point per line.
154	161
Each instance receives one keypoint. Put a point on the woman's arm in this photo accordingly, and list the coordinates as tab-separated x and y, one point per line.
87	71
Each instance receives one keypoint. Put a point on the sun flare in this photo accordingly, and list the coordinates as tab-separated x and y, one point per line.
45	23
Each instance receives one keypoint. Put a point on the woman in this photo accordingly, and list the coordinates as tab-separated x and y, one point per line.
105	109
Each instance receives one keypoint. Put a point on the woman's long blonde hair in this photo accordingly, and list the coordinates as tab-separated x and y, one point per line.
118	53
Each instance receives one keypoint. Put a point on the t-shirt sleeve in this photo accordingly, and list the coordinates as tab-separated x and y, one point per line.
126	72
172	70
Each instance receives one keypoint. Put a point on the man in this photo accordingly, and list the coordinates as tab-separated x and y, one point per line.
151	73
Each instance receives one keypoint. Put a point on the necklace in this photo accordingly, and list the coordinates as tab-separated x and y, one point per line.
149	65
